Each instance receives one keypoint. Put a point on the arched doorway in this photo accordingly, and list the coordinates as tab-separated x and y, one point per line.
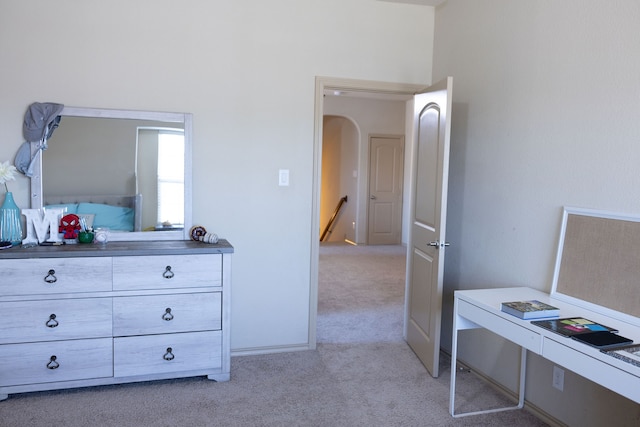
340	142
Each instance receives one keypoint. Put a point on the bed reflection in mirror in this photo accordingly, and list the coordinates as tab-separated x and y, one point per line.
124	174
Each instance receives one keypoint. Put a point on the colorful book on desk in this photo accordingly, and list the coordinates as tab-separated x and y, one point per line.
532	309
572	326
585	331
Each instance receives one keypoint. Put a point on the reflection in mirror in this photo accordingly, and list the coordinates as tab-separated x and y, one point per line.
159	173
129	171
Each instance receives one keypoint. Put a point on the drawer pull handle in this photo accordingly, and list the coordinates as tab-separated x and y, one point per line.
168	355
52	322
168	274
52	363
167	315
51	278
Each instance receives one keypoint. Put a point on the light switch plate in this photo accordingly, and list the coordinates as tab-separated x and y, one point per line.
283	177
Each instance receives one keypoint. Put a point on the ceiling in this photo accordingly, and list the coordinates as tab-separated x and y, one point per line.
422	2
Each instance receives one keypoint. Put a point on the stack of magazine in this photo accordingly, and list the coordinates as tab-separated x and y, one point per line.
532	309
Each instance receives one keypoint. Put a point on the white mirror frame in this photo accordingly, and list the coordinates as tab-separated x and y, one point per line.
185	118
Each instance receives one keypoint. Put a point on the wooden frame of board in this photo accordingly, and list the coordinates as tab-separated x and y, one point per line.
598	262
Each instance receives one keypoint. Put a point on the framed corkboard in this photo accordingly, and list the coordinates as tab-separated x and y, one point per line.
598	261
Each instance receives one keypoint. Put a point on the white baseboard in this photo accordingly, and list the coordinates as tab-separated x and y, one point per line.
270	350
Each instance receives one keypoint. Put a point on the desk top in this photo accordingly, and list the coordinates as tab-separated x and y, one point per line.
491	299
481	308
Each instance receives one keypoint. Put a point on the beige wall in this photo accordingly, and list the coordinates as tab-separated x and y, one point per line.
340	144
83	158
147	175
91	156
246	70
545	114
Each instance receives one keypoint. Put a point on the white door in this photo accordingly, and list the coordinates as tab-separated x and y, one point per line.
426	243
386	160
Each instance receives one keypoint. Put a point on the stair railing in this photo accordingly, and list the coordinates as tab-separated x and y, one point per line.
333	217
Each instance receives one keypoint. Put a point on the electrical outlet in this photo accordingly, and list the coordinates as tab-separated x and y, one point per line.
558	378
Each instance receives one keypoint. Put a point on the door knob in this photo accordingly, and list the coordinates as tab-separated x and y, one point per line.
372	197
437	244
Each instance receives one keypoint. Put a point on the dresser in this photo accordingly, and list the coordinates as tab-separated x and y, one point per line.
86	314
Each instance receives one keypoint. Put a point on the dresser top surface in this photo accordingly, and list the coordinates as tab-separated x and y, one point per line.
110	249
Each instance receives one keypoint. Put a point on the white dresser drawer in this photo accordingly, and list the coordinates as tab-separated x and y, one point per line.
144	355
55	275
57	319
162	314
55	361
167	271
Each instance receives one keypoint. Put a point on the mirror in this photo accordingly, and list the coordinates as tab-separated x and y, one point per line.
130	167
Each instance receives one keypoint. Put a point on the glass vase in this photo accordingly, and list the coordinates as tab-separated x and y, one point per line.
10	221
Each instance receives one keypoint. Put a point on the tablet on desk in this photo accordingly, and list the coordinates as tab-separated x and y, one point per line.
603	340
572	326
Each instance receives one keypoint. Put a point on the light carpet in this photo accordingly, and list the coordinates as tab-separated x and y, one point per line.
361	374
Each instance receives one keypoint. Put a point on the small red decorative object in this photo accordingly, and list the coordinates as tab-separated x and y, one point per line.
70	225
196	232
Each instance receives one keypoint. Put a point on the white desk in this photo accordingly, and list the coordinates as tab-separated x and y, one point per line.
481	309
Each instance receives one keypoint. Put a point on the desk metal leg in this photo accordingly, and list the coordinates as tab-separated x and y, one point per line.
452	388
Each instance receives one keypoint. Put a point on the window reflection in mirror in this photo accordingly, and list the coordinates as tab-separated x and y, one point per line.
160	176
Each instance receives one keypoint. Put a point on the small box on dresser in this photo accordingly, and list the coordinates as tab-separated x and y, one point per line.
86	315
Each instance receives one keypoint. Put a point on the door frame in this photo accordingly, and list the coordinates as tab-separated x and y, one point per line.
351	85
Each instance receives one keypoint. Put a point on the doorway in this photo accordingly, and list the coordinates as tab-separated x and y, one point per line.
366	90
339	189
